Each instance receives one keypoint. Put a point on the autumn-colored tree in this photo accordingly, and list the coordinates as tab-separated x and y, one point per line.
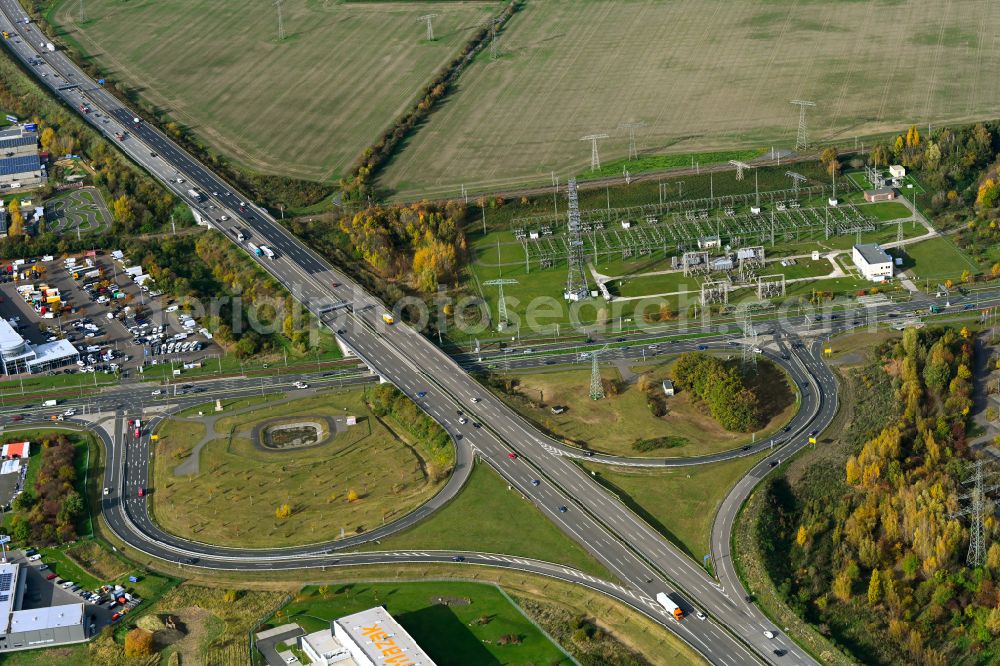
138	643
352	495
15	222
123	210
966	276
48	139
874	588
283	511
229	596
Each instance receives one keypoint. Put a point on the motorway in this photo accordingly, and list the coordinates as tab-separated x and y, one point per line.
643	561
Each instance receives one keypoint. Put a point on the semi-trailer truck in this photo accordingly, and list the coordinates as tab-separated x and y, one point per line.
256	250
194	194
670	605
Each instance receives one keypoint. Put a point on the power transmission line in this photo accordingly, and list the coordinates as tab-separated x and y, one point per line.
596	385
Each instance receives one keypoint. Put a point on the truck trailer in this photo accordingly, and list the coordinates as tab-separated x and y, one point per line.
195	194
670	605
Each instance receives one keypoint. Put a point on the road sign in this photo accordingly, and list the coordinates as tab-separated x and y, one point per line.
812	440
828	350
154	437
4	538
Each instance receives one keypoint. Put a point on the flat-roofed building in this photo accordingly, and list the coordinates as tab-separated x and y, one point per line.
36	627
873	262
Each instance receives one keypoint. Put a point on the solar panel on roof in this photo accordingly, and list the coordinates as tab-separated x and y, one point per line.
18	141
15	165
5	581
4	597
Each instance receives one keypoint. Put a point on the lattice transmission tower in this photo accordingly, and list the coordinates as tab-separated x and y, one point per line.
802	138
430	25
281	21
978	507
596	385
749	341
633	152
576	278
595	160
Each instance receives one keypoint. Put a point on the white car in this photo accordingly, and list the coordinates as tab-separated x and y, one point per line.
301	385
768	633
157	392
173	308
463	420
35	557
69	412
474	400
107	491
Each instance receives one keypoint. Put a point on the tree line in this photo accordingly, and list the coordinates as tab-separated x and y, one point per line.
721	387
358	185
872	552
49	512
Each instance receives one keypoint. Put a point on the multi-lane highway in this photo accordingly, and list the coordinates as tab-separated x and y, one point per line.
643	561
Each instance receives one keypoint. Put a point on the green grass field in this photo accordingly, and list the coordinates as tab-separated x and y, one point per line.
233	497
613	424
722	78
453	633
679	503
305	107
489	518
937	259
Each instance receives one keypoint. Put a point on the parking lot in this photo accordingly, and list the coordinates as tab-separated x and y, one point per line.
106	308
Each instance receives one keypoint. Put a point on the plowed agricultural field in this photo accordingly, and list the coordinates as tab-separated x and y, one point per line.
702	75
305	107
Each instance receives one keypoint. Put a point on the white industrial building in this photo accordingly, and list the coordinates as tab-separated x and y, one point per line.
17	355
873	262
369	638
897	171
35	627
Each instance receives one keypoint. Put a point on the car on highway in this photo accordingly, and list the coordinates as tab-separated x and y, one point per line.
300	385
535	482
463	420
512	455
780	653
69	412
702	347
475	400
107	491
457	558
773	463
563	509
17	417
334	284
699	615
421	394
141	491
157	392
189	560
768	633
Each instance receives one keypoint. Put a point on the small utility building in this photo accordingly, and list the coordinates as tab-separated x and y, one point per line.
873	262
880	194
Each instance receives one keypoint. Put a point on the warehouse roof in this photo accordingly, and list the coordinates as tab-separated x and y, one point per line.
22	164
52	617
382	639
7	143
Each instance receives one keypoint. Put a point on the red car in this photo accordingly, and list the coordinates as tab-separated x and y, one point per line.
512	455
140	491
116	617
50	577
17	417
131	422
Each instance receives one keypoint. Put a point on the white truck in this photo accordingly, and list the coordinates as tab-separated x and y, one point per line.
670	605
50	403
195	194
50	47
268	252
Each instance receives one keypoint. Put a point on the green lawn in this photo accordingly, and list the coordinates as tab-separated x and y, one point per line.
615	423
680	503
230	404
673	161
463	632
937	258
885	210
233	498
489	518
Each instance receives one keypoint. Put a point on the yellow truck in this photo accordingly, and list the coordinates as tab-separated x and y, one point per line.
388	318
